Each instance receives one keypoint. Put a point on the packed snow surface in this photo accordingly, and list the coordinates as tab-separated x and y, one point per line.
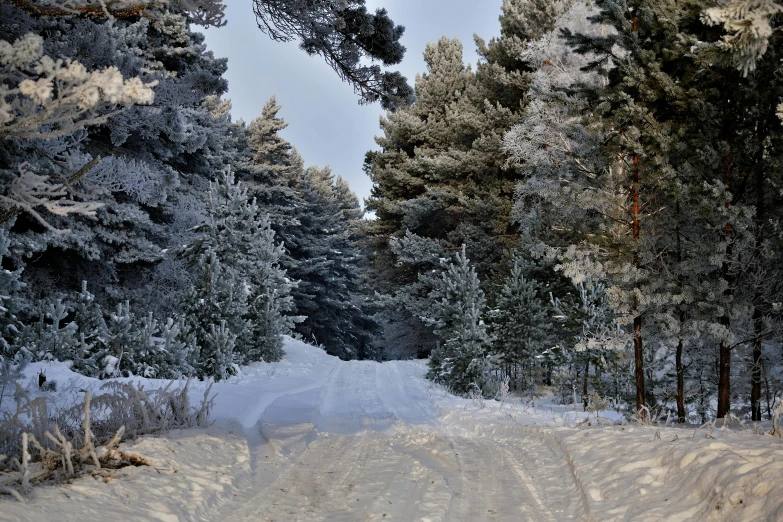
313	438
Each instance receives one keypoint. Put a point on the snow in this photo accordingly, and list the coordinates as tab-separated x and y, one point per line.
315	438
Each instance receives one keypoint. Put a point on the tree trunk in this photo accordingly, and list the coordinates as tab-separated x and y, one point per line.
758	298
584	382
724	379
637	319
724	363
755	390
680	368
680	384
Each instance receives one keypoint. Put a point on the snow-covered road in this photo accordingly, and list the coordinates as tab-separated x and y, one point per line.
369	444
312	438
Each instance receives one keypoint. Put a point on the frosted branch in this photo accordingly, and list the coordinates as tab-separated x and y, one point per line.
748	29
200	12
45	98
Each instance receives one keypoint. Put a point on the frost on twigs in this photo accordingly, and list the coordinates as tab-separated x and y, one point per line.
200	12
40	444
748	29
30	191
45	98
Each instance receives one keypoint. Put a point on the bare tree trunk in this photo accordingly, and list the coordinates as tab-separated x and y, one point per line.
637	319
680	384
584	382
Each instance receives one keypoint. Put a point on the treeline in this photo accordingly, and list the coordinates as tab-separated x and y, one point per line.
609	178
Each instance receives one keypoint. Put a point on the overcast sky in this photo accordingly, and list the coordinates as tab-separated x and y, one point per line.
326	124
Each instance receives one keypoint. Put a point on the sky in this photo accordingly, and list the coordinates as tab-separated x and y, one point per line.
326	123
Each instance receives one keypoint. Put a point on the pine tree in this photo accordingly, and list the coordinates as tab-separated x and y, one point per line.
215	311
441	173
243	242
462	361
521	327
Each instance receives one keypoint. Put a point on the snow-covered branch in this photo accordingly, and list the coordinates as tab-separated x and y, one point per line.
45	98
748	29
30	191
200	12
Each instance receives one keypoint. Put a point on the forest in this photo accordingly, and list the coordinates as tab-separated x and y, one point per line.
594	206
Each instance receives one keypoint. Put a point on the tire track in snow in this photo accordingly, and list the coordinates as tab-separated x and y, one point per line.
349	478
490	486
423	469
528	483
396	400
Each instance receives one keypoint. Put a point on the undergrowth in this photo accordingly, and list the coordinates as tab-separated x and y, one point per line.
42	443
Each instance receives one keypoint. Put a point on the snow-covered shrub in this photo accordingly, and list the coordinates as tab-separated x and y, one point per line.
10	372
777	415
502	394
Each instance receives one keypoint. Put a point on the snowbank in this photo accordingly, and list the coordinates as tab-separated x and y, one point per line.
649	473
191	473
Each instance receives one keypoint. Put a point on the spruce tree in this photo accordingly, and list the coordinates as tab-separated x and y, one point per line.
520	322
243	243
462	360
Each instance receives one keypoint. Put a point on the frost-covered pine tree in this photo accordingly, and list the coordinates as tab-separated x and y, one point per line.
462	360
215	312
100	140
520	323
241	239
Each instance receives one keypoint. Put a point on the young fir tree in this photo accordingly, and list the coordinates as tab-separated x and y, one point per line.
243	242
462	360
520	323
215	311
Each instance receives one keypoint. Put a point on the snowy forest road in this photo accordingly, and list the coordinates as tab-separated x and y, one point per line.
369	444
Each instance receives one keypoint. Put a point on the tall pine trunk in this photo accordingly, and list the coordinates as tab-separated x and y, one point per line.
679	366
758	314
680	383
724	357
637	317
